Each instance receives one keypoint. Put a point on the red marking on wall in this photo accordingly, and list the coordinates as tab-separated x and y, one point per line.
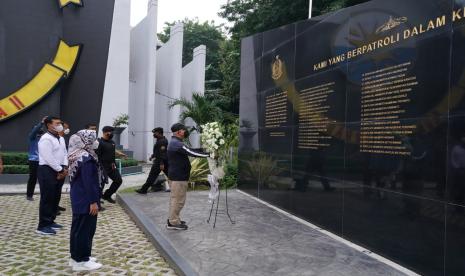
16	102
3	113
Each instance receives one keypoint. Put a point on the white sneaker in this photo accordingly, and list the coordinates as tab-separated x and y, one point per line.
73	262
86	266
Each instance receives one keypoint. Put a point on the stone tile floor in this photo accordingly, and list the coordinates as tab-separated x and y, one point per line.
262	242
118	244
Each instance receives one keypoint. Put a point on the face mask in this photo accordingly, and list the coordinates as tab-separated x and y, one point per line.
66	132
95	144
110	136
59	128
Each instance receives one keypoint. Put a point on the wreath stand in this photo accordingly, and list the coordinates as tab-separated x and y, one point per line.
218	173
217	204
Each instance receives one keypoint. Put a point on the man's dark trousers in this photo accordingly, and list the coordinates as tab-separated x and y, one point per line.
154	172
58	192
48	184
83	229
115	176
31	183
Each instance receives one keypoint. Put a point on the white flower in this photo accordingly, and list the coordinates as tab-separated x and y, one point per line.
222	142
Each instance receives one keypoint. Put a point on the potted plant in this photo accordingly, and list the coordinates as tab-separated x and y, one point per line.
247	132
119	123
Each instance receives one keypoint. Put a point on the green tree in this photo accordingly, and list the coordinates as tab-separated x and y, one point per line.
324	6
200	109
248	17
195	34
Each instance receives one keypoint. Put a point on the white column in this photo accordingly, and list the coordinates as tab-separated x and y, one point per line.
310	5
142	84
116	89
176	40
169	77
193	81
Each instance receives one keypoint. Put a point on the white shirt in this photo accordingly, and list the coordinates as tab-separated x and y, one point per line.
52	152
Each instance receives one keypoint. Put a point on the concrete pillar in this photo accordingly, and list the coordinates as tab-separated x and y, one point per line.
142	84
169	77
193	81
116	89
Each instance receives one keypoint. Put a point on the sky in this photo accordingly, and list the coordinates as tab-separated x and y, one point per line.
173	10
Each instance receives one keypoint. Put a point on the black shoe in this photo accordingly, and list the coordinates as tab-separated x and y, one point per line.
109	199
29	198
157	188
61	208
176	227
182	222
139	191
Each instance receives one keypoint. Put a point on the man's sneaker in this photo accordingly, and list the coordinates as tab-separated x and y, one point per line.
56	226
73	262
139	191
61	208
46	231
168	221
109	199
86	266
176	227
29	198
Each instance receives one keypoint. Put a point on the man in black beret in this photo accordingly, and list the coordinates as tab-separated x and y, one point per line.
160	161
179	173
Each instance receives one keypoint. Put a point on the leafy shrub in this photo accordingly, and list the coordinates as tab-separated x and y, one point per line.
230	176
129	163
15	158
199	171
15	169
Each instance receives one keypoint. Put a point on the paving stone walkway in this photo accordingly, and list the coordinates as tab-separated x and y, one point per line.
262	242
118	244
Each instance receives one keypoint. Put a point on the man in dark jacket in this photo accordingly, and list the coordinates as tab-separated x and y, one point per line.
179	173
33	158
160	162
106	156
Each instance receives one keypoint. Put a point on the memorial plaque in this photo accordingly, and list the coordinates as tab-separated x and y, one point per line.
361	122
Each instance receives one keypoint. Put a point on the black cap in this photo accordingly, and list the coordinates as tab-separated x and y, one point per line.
177	126
158	129
108	129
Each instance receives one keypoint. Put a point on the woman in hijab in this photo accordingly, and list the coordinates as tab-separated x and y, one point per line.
85	178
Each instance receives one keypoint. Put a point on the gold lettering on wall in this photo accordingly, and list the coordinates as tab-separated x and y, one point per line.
313	117
384	96
276	110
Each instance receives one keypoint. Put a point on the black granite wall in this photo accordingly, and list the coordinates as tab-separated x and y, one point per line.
371	147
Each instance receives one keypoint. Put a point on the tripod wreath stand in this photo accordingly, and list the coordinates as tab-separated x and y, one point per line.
217	199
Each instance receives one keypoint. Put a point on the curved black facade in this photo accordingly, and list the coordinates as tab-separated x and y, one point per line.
29	34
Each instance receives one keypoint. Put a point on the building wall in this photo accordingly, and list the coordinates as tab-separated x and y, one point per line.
193	81
169	77
142	77
29	34
116	90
